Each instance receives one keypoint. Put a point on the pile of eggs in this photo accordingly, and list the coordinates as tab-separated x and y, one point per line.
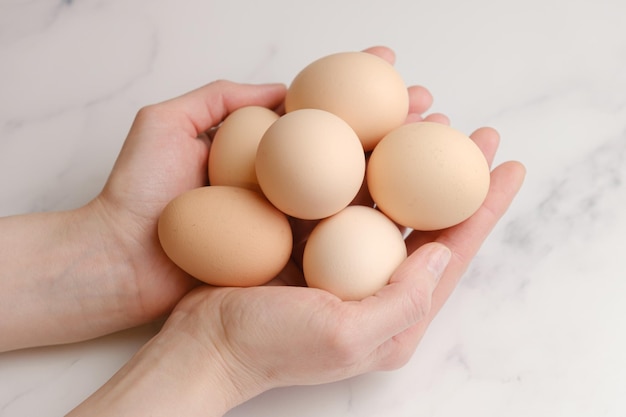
343	135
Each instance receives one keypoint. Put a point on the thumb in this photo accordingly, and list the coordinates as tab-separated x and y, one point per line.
206	106
406	299
431	258
417	277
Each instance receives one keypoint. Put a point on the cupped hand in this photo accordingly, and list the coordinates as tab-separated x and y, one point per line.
164	155
285	335
221	346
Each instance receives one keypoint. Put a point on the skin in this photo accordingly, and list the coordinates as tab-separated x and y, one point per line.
100	269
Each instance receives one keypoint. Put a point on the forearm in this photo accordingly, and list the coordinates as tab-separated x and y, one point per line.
57	278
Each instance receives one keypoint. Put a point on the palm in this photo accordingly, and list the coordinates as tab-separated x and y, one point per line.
251	336
157	164
165	155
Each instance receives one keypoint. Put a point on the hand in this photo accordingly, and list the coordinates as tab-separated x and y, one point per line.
352	337
102	268
288	335
165	154
78	274
222	346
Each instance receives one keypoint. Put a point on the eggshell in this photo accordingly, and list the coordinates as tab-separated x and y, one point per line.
310	164
353	253
233	149
226	236
363	89
427	176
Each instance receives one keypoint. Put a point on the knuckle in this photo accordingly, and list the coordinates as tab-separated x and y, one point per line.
397	360
399	353
148	113
221	83
344	345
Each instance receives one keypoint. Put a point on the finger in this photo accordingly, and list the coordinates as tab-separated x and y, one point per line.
465	239
504	185
434	117
406	300
487	140
205	107
420	99
413	118
438	118
382	52
397	351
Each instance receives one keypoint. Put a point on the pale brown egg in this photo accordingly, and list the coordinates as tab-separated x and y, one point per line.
427	176
233	149
310	164
353	253
225	236
363	89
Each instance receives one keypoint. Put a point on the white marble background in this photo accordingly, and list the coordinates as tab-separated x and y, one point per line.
537	327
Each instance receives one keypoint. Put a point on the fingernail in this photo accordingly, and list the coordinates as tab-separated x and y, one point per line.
438	260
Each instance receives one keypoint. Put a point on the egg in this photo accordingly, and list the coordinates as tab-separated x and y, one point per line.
310	164
353	253
226	236
427	176
233	149
361	88
306	174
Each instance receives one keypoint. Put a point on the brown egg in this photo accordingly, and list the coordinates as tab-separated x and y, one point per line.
226	236
427	176
233	149
310	164
363	89
353	253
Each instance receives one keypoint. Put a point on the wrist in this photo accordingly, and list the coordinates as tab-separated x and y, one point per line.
196	321
175	373
152	283
62	291
107	269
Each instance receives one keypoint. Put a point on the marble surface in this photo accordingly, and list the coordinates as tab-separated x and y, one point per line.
537	326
